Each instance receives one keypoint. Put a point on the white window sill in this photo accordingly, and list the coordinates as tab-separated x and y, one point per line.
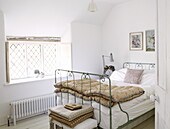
28	80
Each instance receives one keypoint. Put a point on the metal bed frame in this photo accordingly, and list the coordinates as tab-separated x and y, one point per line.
101	78
134	65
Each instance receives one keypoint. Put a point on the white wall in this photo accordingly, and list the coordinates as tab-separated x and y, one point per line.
17	91
66	36
2	49
131	16
2	65
86	47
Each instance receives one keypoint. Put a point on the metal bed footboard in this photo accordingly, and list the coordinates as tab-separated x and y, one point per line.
82	75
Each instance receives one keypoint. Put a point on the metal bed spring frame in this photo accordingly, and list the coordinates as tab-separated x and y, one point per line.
102	78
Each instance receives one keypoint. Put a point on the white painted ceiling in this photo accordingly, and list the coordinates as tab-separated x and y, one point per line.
50	17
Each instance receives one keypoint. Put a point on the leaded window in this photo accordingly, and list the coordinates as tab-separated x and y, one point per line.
25	57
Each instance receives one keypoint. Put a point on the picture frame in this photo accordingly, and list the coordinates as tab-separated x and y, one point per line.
136	41
150	40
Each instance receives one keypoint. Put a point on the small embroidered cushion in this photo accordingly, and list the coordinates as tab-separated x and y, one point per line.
133	76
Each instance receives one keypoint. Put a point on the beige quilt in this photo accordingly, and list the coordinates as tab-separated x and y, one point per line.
90	89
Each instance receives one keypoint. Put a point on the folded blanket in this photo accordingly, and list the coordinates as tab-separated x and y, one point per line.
68	115
90	89
74	122
73	106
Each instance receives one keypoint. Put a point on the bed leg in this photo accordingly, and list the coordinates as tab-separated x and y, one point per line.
98	127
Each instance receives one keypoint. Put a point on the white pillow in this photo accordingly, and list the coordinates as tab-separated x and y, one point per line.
124	70
118	75
148	77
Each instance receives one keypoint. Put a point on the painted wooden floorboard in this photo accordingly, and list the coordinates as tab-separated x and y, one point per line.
42	122
148	124
38	122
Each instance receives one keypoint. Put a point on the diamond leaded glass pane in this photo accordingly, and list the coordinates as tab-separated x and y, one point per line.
33	58
17	61
49	59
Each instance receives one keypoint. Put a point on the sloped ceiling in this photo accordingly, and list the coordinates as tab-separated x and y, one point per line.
50	17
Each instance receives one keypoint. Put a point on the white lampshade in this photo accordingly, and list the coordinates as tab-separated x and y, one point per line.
92	6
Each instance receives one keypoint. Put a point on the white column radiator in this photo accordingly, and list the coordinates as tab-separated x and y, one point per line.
21	109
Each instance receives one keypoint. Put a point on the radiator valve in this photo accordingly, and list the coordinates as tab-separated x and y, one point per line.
8	119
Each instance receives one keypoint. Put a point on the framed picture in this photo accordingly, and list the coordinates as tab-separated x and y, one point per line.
150	40
136	41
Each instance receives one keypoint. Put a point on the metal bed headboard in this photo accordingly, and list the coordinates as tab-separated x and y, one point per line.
134	65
